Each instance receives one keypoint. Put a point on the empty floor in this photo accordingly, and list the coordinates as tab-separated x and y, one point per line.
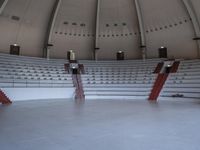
100	125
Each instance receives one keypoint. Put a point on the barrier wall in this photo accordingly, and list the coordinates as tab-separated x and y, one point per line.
24	94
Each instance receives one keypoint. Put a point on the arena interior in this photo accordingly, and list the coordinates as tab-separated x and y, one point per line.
99	74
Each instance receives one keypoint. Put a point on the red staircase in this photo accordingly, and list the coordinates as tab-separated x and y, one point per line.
4	99
175	66
67	68
160	81
81	69
159	67
77	79
78	85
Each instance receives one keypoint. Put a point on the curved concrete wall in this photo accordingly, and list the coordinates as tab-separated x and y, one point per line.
74	29
167	23
29	30
118	29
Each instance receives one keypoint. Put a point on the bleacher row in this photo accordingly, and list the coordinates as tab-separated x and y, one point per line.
21	71
118	79
131	79
185	84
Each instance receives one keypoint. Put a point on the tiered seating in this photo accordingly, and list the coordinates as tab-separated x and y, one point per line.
185	83
20	71
118	79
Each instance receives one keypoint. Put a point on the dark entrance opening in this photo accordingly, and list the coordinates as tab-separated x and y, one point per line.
162	52
120	55
14	49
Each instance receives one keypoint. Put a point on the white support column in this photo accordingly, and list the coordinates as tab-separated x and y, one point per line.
51	24
96	48
195	22
2	7
142	30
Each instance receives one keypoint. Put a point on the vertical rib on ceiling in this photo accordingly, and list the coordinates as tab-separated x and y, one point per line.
97	29
51	25
3	4
141	28
195	22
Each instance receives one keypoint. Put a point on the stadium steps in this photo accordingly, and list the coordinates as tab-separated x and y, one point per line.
79	88
160	81
159	67
175	67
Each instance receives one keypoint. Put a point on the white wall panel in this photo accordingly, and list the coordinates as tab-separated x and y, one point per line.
24	94
168	24
76	37
115	36
29	31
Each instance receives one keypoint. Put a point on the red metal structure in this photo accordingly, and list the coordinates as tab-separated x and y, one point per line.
4	99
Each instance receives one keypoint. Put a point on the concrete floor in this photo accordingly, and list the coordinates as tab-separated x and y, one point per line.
100	125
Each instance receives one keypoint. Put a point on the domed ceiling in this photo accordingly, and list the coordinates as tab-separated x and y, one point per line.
114	25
